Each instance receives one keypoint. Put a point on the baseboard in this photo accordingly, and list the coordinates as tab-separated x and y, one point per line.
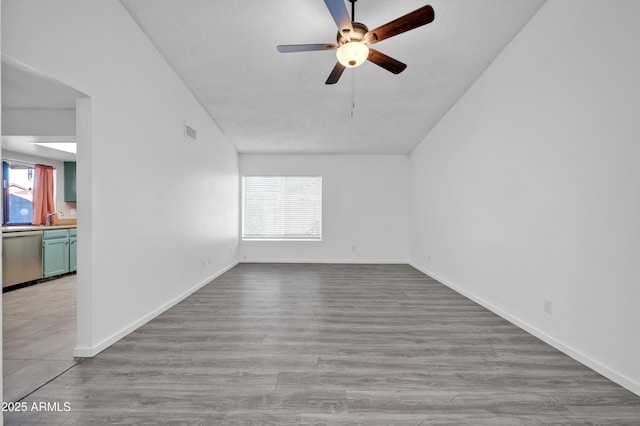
330	261
579	356
88	352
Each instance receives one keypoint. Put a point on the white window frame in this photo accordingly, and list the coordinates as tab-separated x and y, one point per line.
274	236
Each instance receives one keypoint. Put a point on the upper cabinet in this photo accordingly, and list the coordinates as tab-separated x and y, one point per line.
69	181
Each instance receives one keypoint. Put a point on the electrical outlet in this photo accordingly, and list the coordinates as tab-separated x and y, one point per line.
548	307
353	248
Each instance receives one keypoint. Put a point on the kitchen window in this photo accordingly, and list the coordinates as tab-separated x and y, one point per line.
282	208
17	184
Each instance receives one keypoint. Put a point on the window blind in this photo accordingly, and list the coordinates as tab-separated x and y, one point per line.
282	208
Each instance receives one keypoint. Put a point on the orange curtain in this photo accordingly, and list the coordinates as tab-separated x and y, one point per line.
43	196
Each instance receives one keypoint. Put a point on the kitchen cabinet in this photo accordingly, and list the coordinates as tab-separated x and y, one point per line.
55	252
30	253
69	181
73	250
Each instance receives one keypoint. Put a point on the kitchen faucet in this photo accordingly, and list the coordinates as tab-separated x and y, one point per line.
48	222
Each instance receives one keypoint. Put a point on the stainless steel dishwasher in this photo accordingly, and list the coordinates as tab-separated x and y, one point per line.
21	257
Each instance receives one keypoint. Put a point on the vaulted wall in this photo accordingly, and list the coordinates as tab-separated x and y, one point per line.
526	194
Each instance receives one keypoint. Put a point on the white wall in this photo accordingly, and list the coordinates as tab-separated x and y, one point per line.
528	189
154	205
39	121
365	204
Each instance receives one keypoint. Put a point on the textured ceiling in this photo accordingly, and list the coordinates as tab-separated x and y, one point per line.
268	102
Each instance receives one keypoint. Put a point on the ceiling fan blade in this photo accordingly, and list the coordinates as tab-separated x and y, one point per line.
386	62
415	19
288	48
335	74
340	14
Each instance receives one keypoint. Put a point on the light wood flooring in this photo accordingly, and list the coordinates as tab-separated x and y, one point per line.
274	344
39	335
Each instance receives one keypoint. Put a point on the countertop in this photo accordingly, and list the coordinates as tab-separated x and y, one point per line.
23	228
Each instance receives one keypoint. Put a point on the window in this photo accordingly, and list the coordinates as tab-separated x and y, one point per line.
18	193
282	208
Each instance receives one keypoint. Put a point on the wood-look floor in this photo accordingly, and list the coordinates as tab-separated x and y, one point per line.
330	345
38	335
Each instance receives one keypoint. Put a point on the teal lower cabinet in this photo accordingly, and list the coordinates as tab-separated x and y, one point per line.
73	250
56	252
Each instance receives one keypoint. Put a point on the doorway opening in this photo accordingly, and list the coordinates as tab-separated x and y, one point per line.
40	316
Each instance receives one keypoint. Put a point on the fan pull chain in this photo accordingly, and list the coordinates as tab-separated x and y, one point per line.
353	92
353	74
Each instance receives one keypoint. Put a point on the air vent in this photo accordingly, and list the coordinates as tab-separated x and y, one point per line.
190	132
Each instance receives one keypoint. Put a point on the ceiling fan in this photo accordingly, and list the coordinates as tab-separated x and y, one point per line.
354	39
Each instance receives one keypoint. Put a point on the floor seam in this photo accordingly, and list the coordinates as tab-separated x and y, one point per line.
49	381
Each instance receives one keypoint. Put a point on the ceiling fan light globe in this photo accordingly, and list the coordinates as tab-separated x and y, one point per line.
352	54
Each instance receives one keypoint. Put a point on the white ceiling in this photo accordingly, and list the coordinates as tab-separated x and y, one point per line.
268	102
23	88
27	145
